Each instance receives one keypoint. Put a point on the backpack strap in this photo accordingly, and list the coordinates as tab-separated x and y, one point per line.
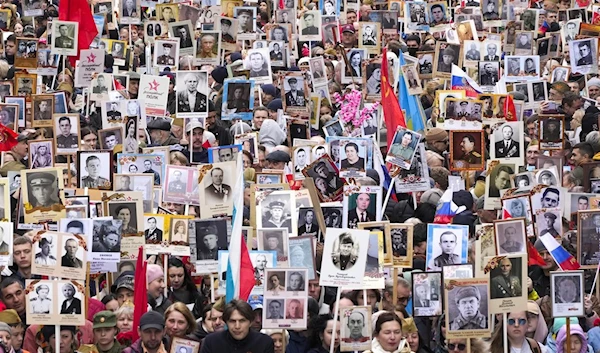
534	345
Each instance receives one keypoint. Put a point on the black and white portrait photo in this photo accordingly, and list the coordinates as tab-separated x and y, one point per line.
41	302
70	300
276	52
128	213
66	135
130	12
468	306
274	307
106	239
446	245
273	240
46	250
275	211
508	141
64	37
310	26
307	222
191	95
211	236
345	252
445	56
427	298
567	293
166	53
179	231
505	279
42	110
510	236
293	87
246	19
300	250
229	30
153	229
41	154
582	55
489	72
551	133
354	69
73	253
355	331
317	68
411	79
258	62
184	31
215	189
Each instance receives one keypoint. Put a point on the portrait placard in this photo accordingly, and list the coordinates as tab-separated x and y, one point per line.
182	345
64	37
344	257
467	305
106	246
40	194
567	293
261	261
361	204
301	253
215	189
211	236
427	294
446	245
50	302
285	298
508	282
355	328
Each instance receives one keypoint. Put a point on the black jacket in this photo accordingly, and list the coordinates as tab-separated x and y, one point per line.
255	342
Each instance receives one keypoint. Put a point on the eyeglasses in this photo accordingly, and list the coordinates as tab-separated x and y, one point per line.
521	321
460	346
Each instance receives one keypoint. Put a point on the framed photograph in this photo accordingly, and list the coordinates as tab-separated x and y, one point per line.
130	12
285	297
344	243
41	153
356	332
411	79
64	37
77	206
353	157
354	71
581	52
445	55
417	177
94	169
274	210
467	299
181	184
100	87
26	55
404	145
55	300
294	88
427	294
485	245
133	163
208	48
361	204
458	271
182	345
25	84
274	240
66	133
402	244
223	153
368	36
519	207
498	178
301	253
185	32
567	293
228	27
249	142
310	26
42	109
524	42
166	53
467	152
211	236
216	189
372	80
508	282
508	142
446	245
247	24
258	62
109	138
588	222
153	29
551	132
378	230
9	115
464	114
6	90
560	74
262	261
510	236
107	244
192	83
326	177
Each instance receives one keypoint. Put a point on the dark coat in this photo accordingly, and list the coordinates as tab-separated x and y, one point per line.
222	341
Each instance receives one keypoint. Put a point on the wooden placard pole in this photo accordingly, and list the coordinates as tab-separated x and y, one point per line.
568	334
336	314
394	291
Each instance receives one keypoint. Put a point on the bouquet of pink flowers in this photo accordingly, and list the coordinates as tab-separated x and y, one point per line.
350	103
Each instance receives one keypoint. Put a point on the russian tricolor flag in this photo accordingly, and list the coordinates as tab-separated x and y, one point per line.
461	81
447	209
240	272
563	258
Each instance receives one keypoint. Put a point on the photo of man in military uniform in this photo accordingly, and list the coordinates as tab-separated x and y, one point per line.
64	41
504	284
468	301
345	258
469	155
448	242
93	180
177	186
66	139
44	257
275	217
42	189
167	58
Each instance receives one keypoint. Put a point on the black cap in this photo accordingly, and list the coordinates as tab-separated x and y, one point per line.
159	124
152	319
278	156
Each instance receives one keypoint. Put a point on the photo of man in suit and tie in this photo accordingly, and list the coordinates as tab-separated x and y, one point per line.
506	147
189	99
217	192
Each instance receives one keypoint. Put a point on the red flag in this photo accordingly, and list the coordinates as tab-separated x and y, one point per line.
140	296
8	138
510	112
534	257
389	101
81	12
118	85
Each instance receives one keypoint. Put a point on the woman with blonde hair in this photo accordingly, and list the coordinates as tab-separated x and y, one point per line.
178	158
280	338
179	321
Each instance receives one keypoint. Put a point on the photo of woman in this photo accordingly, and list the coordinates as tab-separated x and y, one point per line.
179	232
131	143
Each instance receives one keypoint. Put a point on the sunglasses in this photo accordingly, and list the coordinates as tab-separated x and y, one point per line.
460	346
521	322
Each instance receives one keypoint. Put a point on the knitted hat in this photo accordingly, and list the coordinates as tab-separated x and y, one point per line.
436	134
269	89
5	328
219	74
275	105
153	273
432	196
593	82
236	56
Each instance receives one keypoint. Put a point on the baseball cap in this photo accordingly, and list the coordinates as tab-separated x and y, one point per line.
348	28
152	319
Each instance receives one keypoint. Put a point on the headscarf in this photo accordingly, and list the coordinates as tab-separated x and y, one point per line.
270	134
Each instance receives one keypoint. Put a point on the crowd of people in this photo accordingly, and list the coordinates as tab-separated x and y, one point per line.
498	117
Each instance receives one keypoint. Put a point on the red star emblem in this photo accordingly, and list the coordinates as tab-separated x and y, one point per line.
91	58
154	85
